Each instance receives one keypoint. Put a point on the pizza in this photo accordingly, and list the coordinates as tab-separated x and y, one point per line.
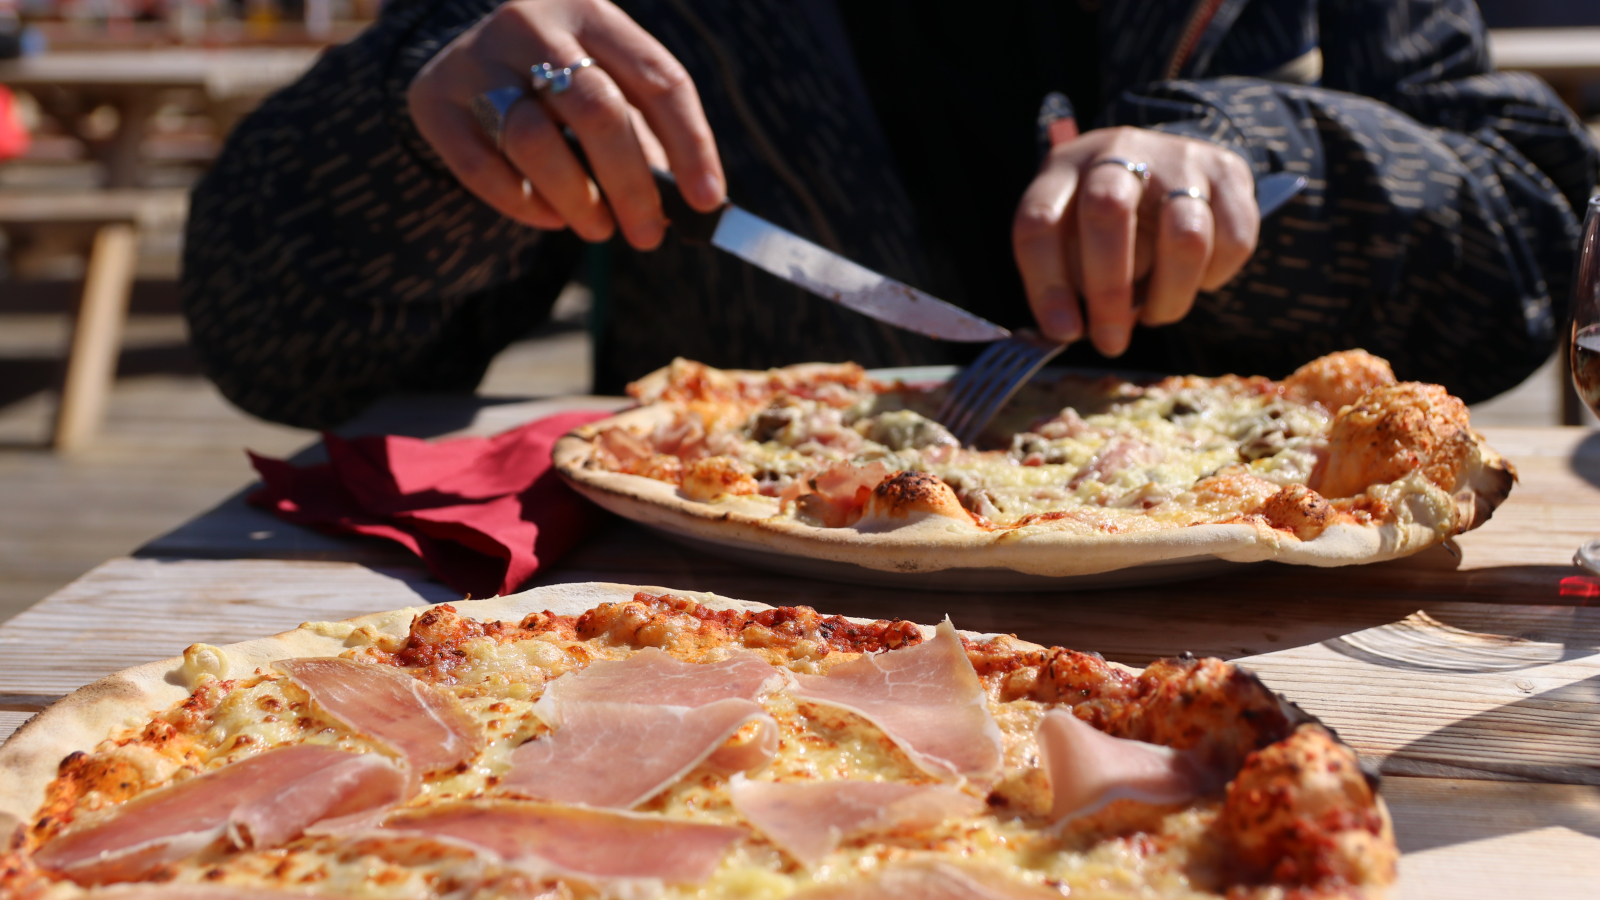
1338	463
613	741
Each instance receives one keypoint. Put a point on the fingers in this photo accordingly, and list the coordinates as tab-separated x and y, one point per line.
1183	250
596	110
455	134
660	87
1238	220
636	103
534	144
601	118
1038	240
1107	207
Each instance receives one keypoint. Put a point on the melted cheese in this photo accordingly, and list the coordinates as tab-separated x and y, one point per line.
1132	463
1129	847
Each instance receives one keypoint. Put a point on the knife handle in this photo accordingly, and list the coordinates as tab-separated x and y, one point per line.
694	227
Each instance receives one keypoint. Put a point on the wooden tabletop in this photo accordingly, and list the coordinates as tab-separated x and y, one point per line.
221	73
1550	52
1473	684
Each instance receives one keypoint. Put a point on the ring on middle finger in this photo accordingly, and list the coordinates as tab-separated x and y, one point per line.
556	78
1134	168
1192	193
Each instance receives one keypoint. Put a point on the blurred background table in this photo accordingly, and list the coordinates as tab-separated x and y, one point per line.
70	85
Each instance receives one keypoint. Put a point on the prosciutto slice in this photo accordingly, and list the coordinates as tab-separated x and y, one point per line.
412	718
930	881
259	802
656	678
809	819
565	841
1089	769
926	698
836	494
621	754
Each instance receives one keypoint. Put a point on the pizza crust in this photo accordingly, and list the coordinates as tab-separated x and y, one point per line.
926	533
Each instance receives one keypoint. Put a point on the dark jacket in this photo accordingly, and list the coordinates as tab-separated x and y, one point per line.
331	258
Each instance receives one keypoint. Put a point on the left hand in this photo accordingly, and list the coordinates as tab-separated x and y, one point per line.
1092	229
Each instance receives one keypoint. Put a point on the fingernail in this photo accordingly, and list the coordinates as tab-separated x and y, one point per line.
1110	340
708	190
1058	316
648	235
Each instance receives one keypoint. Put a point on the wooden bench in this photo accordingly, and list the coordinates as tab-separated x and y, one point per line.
111	219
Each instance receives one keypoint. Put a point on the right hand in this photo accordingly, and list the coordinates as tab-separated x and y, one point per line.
634	108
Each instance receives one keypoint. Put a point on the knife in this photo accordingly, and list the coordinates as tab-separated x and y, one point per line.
821	271
816	269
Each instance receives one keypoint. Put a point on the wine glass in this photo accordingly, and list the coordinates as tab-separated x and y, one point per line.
1585	338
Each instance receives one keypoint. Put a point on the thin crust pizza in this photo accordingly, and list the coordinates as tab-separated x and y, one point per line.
610	741
1336	464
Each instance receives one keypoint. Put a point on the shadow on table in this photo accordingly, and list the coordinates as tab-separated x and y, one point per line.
1585	459
1564	756
1551	737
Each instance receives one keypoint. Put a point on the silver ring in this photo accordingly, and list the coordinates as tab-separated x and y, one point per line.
1192	192
1134	168
556	79
490	109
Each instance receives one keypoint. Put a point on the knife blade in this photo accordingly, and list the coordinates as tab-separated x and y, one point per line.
816	269
853	286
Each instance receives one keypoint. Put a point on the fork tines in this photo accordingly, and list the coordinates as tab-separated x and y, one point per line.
983	388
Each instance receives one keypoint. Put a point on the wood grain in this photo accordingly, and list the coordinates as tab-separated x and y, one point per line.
1466	840
11	721
1499	691
128	611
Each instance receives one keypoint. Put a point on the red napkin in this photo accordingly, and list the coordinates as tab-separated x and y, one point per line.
483	513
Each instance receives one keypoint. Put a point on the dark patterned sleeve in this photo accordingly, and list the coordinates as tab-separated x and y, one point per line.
1441	222
330	257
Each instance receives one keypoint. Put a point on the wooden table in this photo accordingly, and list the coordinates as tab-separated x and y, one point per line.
71	84
1474	685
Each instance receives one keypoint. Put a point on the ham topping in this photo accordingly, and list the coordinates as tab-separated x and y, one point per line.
930	881
926	698
1119	453
589	844
673	716
622	754
809	819
412	718
1089	769
654	677
836	494
257	803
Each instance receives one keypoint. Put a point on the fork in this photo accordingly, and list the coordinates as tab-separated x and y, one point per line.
990	382
984	387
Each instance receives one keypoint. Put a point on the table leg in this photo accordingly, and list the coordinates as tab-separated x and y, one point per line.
97	337
122	153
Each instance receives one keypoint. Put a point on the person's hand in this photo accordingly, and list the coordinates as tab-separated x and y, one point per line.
1092	229
634	107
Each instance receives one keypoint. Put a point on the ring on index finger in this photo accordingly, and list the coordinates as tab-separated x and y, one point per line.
557	78
490	109
1134	168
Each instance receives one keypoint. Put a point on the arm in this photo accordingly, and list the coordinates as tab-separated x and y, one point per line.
331	258
1442	218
